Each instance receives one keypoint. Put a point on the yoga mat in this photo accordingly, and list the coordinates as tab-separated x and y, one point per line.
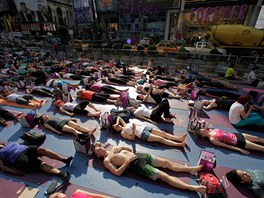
231	190
248	89
4	102
179	104
71	188
11	122
153	144
72	82
185	177
10	188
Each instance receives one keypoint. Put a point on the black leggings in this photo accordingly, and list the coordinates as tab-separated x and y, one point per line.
109	89
42	91
100	97
80	108
162	108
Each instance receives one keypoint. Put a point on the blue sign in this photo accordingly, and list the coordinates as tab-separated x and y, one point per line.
82	13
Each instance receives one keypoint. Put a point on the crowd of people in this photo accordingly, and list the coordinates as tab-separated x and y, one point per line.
96	82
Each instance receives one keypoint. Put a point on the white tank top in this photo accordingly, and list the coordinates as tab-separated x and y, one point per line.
12	97
68	106
138	131
144	111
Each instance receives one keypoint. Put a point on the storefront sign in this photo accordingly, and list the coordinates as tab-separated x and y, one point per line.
229	14
82	12
134	7
105	5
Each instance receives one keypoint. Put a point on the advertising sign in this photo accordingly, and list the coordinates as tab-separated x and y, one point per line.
4	5
260	20
33	11
82	12
105	5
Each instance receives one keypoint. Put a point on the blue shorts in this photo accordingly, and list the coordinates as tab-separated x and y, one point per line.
146	133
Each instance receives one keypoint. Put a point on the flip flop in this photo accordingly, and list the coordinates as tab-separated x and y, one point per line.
55	185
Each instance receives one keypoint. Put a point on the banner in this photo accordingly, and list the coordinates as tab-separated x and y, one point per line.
105	5
31	11
4	5
82	12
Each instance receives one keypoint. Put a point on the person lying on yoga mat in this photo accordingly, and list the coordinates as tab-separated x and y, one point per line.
240	116
252	179
118	81
6	115
214	93
26	99
97	97
59	125
217	103
42	91
241	142
79	194
99	87
59	83
130	131
155	95
153	115
28	158
70	108
230	73
120	159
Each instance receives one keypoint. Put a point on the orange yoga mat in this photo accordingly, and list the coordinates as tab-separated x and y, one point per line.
5	102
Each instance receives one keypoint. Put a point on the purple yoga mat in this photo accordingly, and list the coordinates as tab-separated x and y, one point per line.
248	89
238	191
71	188
10	188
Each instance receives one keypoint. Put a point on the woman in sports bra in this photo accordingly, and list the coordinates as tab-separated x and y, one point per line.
235	141
59	126
130	131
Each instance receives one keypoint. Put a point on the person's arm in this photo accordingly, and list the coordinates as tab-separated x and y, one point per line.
6	169
244	114
145	99
52	129
117	171
66	112
120	121
211	105
117	149
94	195
217	143
132	136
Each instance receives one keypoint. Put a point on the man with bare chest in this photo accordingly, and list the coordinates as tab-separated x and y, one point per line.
121	158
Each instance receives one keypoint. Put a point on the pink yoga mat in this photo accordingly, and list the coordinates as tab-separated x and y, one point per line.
238	191
71	188
248	89
10	188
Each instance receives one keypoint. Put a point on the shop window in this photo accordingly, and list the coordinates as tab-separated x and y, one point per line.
60	17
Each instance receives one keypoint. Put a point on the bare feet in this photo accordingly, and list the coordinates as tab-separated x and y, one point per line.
196	169
92	131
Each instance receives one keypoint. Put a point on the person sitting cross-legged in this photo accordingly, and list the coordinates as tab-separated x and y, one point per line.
119	159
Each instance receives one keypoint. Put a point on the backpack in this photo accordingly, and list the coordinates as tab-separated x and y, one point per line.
29	120
208	160
106	120
83	143
197	123
124	98
124	114
33	138
214	188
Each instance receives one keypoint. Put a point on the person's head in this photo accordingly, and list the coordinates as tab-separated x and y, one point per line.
256	68
3	122
99	151
2	145
23	6
43	118
140	97
58	103
232	65
243	99
40	7
80	94
206	102
139	88
58	195
200	133
238	176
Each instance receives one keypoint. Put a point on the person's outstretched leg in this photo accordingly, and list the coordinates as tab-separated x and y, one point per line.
156	138
164	163
253	138
52	155
81	128
68	129
169	136
253	146
177	183
54	171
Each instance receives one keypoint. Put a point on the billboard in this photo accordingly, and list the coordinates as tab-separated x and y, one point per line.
83	13
4	5
31	11
106	5
260	20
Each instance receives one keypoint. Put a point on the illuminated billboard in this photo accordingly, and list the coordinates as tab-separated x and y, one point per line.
82	12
